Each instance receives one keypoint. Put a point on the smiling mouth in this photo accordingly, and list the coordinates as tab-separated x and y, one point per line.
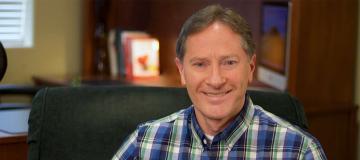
217	94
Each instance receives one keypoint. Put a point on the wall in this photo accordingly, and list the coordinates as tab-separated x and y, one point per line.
57	43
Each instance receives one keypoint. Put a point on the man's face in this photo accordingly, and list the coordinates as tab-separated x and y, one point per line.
216	71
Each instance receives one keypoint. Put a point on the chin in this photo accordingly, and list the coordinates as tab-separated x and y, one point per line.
217	107
218	112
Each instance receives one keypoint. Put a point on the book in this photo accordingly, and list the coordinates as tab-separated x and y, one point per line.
113	62
144	57
119	53
133	54
126	38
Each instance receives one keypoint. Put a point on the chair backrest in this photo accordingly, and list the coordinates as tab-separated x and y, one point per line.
3	61
92	122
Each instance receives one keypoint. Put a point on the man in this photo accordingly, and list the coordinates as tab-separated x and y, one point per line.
216	61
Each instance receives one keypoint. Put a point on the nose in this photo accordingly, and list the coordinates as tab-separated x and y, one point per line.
215	78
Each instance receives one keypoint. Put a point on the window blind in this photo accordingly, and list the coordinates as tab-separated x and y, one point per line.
16	23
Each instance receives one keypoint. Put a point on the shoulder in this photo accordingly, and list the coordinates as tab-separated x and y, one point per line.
265	118
163	126
287	133
168	120
151	132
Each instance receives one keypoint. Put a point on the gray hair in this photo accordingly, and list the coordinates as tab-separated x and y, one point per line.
207	16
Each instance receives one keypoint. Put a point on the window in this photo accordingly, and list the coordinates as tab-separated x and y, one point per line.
16	23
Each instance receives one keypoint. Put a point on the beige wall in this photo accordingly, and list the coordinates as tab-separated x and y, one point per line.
57	43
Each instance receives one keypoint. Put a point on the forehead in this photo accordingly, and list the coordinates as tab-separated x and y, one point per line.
217	39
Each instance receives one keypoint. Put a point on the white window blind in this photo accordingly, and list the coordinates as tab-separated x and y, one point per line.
16	23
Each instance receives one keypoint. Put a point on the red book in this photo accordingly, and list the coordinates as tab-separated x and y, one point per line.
126	38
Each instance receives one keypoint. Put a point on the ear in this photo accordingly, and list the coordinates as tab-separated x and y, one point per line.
252	64
180	67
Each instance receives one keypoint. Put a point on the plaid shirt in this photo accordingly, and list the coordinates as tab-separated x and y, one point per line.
254	134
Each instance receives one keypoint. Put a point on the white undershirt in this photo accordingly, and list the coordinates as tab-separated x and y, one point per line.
209	138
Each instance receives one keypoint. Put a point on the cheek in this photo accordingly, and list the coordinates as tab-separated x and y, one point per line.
239	74
191	78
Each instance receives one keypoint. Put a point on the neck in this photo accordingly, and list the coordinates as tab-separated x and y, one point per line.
212	126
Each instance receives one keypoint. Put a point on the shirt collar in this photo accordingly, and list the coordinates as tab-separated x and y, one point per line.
232	132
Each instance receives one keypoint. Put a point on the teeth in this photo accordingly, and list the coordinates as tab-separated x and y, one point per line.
215	94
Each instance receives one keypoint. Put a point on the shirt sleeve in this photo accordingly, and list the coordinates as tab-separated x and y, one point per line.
315	152
128	149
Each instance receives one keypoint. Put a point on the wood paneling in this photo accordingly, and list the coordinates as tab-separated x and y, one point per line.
336	129
325	51
322	67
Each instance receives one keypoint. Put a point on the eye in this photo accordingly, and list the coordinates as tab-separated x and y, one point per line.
230	62
199	64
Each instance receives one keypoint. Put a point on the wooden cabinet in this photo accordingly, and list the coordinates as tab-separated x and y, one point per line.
322	62
322	71
13	146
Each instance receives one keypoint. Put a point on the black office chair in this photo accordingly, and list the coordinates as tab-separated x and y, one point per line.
90	122
3	61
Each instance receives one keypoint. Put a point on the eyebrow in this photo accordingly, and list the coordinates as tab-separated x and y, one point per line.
221	58
230	56
197	59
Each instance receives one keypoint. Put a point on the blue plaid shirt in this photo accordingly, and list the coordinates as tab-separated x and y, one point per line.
254	134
